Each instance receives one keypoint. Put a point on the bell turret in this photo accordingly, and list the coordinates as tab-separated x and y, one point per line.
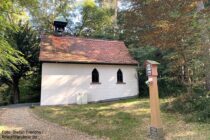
59	25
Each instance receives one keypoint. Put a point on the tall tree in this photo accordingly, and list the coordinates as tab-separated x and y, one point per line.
10	12
26	41
112	6
95	21
172	26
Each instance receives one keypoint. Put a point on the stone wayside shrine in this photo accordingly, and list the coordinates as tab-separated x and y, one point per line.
156	128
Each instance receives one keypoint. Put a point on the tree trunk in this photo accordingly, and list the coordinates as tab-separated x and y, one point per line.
15	91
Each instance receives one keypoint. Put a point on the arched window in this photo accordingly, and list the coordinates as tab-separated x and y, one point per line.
95	76
119	76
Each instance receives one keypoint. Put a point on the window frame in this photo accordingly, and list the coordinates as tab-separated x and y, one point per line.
95	76
120	77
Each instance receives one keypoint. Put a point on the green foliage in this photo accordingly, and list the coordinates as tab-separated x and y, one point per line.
180	32
30	89
141	54
4	95
25	41
196	106
168	86
9	57
96	21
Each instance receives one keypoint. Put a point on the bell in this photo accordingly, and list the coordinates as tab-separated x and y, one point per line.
59	23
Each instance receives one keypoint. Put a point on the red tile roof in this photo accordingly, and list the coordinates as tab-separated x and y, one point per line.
83	50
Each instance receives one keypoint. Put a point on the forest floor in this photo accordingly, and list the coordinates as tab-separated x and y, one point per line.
122	120
18	122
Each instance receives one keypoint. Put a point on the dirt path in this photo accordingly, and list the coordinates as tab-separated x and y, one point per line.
22	120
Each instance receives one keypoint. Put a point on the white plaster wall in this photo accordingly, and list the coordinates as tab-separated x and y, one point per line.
62	82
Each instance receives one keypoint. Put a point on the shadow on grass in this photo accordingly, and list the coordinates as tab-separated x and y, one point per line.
127	119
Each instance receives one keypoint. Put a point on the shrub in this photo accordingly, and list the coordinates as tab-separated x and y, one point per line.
4	95
195	106
30	89
167	86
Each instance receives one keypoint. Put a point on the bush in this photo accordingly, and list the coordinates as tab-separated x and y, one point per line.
167	87
4	95
170	87
196	106
30	89
168	83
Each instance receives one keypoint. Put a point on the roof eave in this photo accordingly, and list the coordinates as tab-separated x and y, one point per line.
83	62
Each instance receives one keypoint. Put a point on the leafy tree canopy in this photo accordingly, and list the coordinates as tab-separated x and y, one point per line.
95	21
178	27
10	13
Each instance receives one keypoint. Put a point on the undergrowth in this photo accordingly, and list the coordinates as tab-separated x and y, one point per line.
194	106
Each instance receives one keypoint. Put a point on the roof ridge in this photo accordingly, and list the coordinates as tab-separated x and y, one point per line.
94	39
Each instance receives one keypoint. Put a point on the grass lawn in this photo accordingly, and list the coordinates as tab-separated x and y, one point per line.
122	120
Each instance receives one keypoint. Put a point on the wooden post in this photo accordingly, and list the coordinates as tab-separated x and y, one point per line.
156	128
154	103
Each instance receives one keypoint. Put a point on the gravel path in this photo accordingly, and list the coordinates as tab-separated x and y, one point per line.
20	121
